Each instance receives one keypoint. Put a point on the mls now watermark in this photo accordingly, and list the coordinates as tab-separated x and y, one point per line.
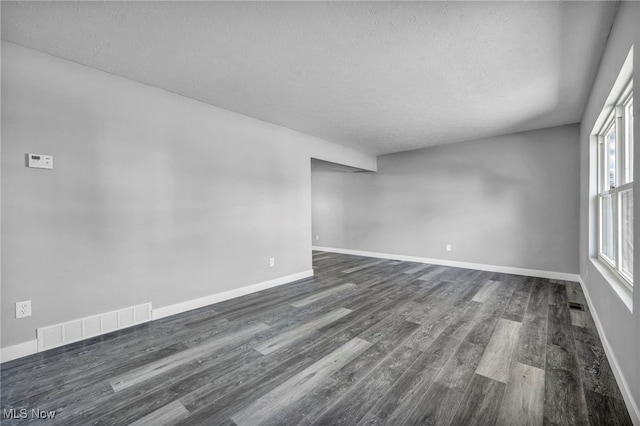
24	413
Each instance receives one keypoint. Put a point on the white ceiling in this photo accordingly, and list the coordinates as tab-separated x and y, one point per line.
380	77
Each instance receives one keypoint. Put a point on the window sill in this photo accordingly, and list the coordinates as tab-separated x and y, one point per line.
622	290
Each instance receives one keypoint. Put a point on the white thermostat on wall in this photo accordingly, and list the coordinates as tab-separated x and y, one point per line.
39	161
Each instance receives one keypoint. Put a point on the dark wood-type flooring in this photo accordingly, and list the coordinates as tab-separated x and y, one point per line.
366	341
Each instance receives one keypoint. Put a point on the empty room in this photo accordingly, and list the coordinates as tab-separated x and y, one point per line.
338	213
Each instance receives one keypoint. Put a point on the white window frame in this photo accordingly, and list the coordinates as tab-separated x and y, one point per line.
616	120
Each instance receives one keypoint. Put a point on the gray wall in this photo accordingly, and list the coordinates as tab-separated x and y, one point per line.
508	201
621	326
154	197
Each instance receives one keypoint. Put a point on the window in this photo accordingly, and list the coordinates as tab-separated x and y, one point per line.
615	188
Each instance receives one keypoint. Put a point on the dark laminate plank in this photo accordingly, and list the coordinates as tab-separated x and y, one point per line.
461	326
57	387
557	294
459	369
436	306
276	295
539	299
141	400
364	299
564	399
90	395
312	406
486	292
491	311
286	315
517	306
575	294
436	407
297	386
277	310
429	328
436	300
471	286
161	366
409	390
360	267
380	288
32	366
432	274
404	391
582	319
396	333
359	323
559	327
355	404
562	358
533	342
384	272
462	275
341	289
482	330
481	402
592	361
168	414
439	352
416	269
94	358
361	318
331	270
217	402
403	294
64	405
521	283
290	336
533	335
432	292
385	326
232	395
263	369
606	410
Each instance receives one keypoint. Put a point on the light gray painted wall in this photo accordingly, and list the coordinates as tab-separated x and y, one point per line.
327	204
154	197
621	327
508	201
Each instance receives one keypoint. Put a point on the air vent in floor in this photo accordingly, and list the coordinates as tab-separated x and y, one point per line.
576	306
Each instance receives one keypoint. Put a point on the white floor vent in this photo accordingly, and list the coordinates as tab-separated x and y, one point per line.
84	328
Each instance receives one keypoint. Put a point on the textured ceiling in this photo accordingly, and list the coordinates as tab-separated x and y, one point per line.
380	77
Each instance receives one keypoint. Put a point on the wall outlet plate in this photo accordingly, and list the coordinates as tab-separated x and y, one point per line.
23	309
449	248
272	262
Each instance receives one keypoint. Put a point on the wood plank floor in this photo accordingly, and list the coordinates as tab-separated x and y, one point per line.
364	342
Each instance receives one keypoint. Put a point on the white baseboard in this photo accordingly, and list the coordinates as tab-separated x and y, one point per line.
188	305
613	361
31	347
18	351
479	266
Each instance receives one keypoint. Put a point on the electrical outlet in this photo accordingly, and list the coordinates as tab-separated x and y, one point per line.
317	237
272	262
23	309
449	247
